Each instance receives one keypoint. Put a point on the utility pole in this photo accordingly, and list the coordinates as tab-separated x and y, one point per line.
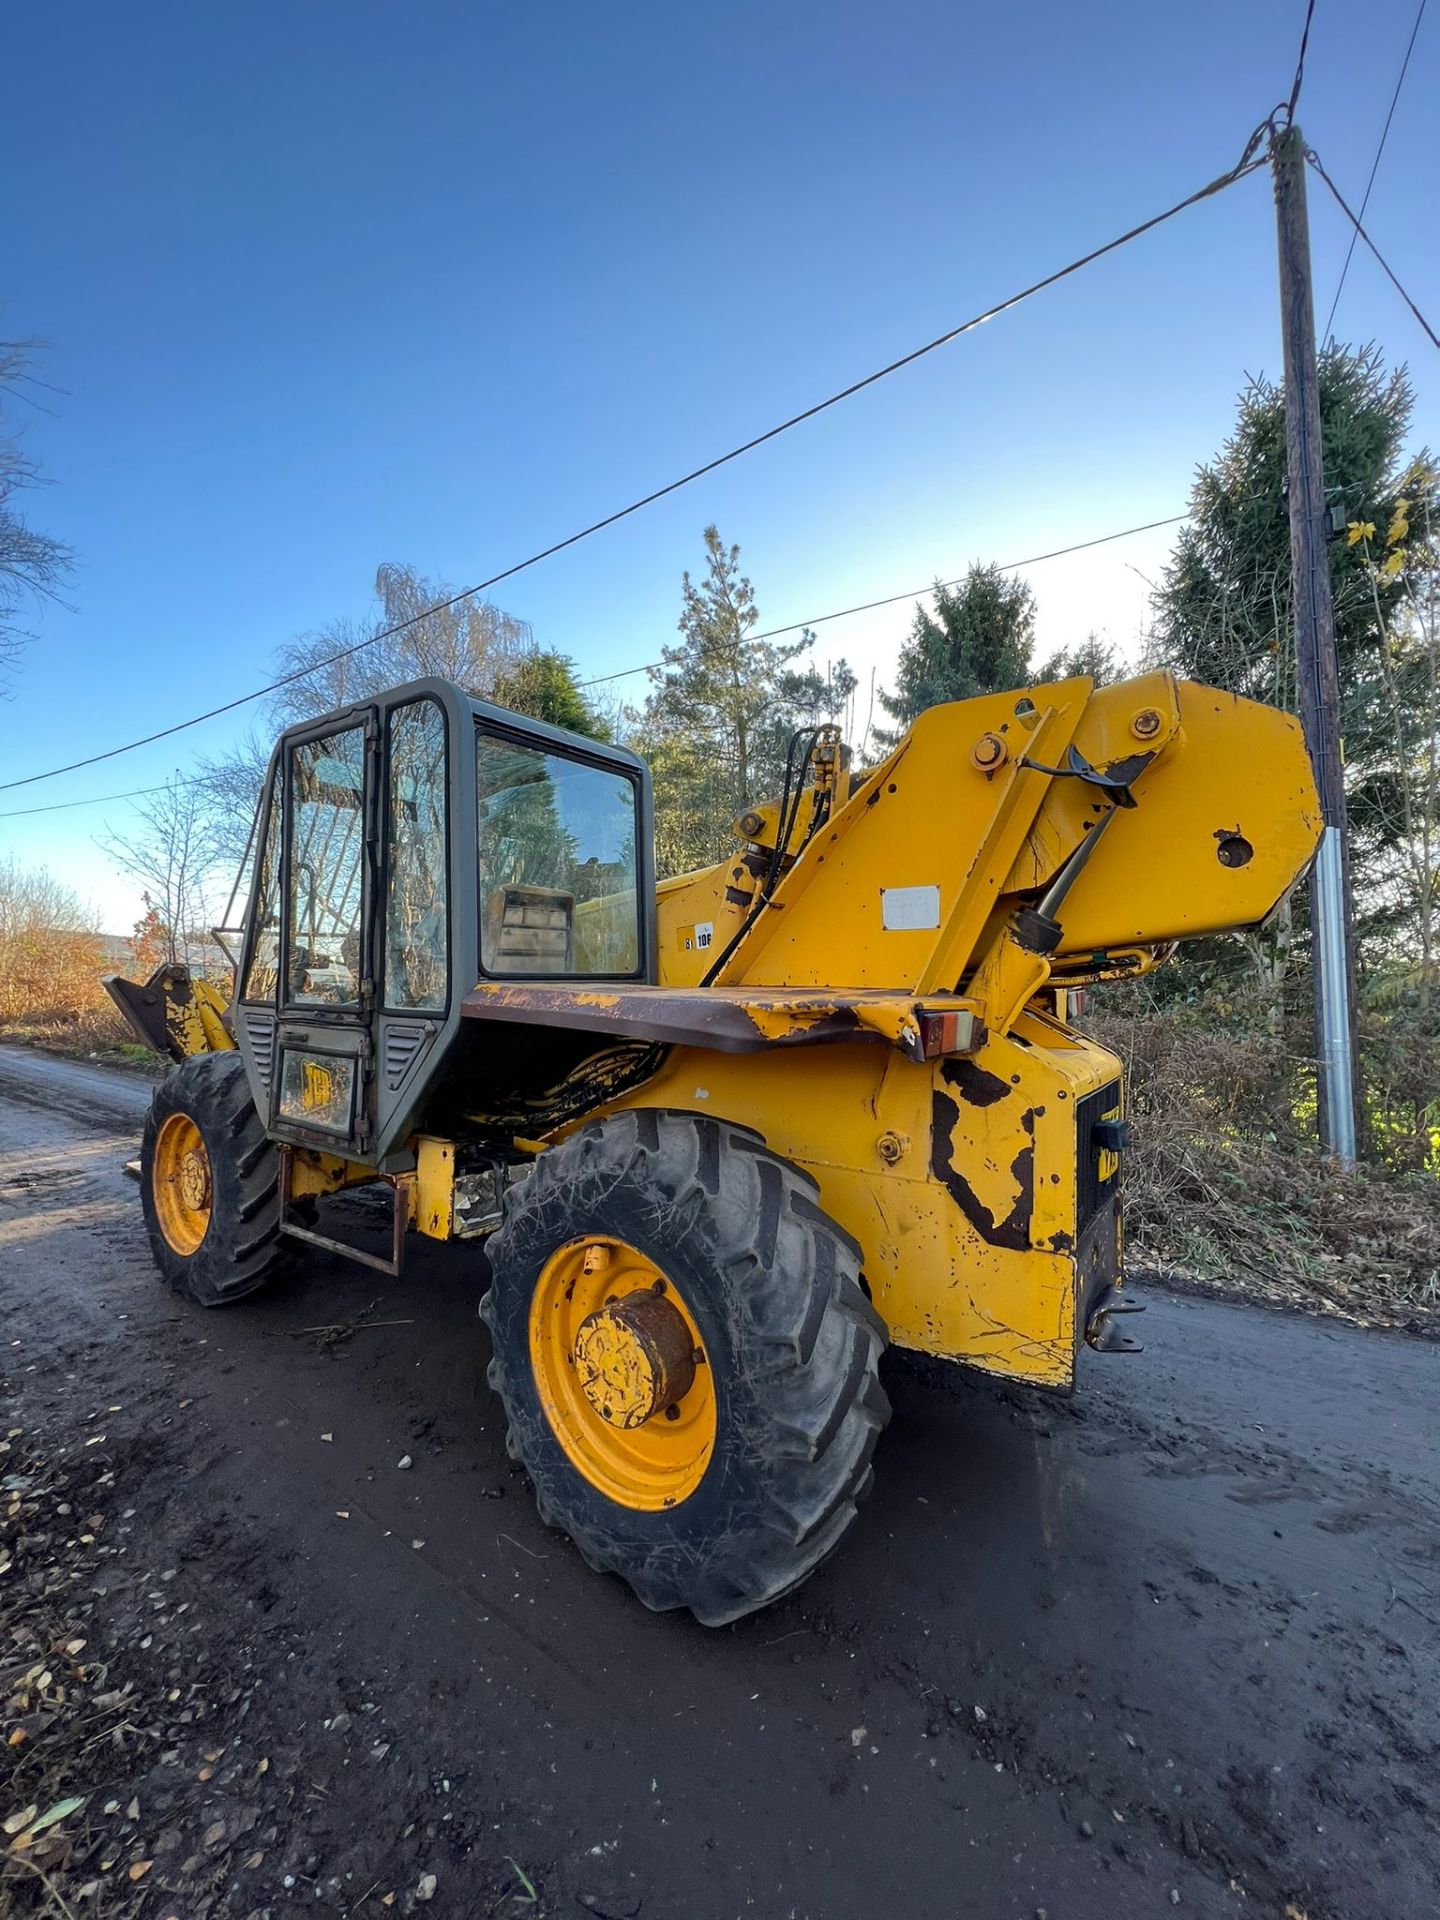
1317	669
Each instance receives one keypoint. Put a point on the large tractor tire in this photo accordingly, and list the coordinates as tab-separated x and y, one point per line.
210	1182
686	1358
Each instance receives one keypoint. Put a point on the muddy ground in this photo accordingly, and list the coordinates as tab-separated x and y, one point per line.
1170	1645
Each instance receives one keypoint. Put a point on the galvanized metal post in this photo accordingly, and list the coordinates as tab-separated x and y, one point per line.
1317	667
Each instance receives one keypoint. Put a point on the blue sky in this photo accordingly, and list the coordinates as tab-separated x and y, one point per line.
342	283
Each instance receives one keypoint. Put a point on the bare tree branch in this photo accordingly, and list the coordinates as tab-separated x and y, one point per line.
33	565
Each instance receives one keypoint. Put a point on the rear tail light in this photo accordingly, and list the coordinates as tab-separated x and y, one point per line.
942	1033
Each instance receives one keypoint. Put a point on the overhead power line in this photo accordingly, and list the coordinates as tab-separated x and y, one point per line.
1246	164
1374	168
1299	79
95	800
1314	159
771	633
867	606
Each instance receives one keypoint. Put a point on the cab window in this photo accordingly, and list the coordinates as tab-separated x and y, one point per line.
557	858
327	844
417	890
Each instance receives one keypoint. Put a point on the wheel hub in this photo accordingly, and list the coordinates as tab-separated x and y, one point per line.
193	1180
622	1373
180	1184
634	1358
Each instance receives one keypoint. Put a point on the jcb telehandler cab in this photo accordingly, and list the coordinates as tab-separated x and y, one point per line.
728	1135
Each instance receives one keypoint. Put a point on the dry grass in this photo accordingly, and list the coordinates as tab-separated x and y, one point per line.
54	999
51	991
1225	1188
48	975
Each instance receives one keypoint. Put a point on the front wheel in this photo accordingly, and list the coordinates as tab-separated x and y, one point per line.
210	1182
686	1359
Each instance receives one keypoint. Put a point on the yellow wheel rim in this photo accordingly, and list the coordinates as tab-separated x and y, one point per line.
622	1373
180	1183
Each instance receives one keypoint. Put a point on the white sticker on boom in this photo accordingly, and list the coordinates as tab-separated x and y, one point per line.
908	909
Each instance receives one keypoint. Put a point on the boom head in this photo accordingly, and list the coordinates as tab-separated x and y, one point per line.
1095	826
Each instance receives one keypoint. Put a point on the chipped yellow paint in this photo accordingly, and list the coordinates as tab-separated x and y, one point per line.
777	1016
616	1373
194	1017
502	991
938	1282
775	1019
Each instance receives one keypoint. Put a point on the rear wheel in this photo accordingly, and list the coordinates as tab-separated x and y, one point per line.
686	1358
210	1182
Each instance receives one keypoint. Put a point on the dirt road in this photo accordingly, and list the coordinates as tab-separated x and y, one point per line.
1170	1645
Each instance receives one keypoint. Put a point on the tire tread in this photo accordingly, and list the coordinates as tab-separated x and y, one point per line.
799	1320
242	1248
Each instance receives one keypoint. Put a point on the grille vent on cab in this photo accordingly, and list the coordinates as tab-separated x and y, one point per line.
260	1031
402	1044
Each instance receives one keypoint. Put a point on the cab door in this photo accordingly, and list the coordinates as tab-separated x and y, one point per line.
323	1085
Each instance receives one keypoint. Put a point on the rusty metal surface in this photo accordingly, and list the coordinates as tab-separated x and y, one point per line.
734	1020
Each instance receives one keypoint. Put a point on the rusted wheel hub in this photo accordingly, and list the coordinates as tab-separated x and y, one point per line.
193	1179
634	1358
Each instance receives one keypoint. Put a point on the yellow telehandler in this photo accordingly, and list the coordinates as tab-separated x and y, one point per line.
728	1135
